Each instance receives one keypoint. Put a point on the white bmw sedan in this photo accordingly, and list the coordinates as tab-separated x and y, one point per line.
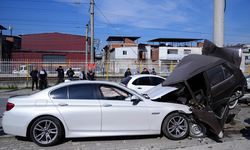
91	109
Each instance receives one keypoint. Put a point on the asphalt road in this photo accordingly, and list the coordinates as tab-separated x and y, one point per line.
236	136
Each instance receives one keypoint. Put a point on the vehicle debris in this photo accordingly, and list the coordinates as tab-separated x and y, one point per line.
210	84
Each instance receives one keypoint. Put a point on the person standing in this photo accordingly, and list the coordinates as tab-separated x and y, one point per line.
127	73
70	73
91	75
34	76
42	79
153	71
145	71
60	74
82	75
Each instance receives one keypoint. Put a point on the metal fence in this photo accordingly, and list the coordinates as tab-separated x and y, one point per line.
22	68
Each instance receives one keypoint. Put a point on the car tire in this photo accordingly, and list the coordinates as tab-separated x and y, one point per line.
236	96
197	130
46	131
175	126
230	118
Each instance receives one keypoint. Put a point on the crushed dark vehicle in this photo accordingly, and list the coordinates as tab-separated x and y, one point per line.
211	84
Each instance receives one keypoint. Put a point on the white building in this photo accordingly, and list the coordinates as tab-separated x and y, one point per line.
123	52
176	53
170	51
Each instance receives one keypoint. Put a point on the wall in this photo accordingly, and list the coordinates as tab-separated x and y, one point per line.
163	52
132	53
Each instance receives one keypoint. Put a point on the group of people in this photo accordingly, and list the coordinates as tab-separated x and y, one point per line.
70	73
39	77
144	71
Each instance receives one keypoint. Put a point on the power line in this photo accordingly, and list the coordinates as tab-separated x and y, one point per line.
51	1
107	20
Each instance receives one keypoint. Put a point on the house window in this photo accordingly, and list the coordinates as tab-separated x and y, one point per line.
54	58
172	51
187	51
125	52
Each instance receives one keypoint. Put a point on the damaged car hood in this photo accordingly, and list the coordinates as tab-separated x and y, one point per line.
159	90
231	55
194	64
190	66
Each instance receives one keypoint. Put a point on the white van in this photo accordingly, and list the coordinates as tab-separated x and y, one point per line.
22	70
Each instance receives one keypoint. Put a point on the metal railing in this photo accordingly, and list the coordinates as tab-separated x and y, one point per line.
22	68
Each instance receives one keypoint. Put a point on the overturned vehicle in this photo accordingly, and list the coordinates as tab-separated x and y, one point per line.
211	84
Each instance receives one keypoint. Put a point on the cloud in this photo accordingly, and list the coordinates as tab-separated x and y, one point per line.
143	13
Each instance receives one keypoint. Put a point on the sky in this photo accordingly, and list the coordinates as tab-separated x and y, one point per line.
148	19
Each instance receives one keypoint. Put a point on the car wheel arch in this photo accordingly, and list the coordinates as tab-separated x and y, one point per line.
34	119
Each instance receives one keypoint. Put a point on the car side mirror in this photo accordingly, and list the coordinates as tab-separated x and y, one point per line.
135	100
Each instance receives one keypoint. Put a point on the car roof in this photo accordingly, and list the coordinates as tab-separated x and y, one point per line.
82	81
48	90
145	75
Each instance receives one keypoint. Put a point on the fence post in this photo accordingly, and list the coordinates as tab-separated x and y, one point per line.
248	69
27	73
140	64
107	71
171	66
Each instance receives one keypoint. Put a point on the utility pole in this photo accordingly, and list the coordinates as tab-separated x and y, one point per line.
219	6
10	28
92	3
86	47
1	42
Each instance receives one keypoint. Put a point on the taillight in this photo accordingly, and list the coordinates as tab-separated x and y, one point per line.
9	106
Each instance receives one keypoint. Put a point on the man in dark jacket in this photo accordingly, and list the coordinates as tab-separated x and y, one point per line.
70	73
34	76
91	75
60	74
127	73
42	79
145	71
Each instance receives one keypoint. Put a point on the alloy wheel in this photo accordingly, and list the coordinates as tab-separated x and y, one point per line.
45	132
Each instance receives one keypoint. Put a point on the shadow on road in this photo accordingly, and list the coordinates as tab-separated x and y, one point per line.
112	138
1	132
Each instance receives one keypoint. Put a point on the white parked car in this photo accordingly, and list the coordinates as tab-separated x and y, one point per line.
91	109
142	82
22	70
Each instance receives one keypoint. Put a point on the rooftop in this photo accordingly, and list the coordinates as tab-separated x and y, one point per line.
174	40
121	38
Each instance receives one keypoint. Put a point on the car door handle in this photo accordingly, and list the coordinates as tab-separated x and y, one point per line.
139	87
63	104
106	105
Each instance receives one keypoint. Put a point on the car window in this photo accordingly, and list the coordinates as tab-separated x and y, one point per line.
113	93
227	71
215	75
60	93
156	80
81	91
126	80
142	81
